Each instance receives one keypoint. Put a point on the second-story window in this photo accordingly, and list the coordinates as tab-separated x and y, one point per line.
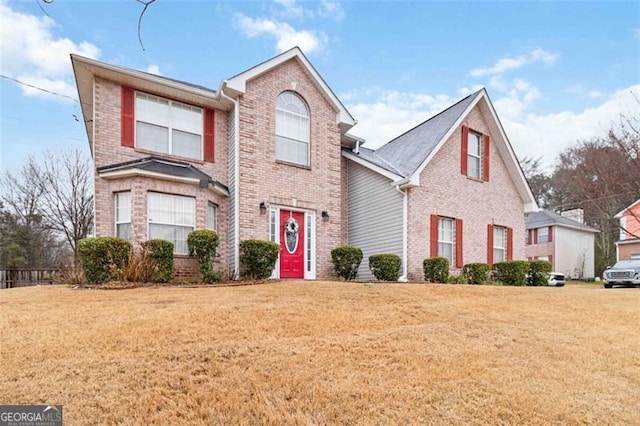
474	155
168	127
543	235
292	129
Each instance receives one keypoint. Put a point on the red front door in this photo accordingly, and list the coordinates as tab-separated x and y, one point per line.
291	244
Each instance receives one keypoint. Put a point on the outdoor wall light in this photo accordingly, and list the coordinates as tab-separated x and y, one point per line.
263	208
325	215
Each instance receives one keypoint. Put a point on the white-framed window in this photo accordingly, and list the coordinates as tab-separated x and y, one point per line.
474	155
543	235
446	238
499	244
171	218
212	217
168	127
123	215
293	130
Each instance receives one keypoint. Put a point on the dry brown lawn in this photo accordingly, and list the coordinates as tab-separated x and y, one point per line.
325	353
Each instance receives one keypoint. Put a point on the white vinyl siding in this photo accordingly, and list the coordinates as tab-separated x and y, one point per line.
474	155
123	215
375	212
168	127
499	244
292	129
171	218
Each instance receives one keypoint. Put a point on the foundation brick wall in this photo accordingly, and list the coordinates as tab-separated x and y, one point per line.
262	178
446	192
108	150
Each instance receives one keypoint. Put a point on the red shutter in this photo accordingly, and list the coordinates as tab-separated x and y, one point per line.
490	245
464	159
485	158
509	243
535	236
459	258
127	110
208	137
434	235
550	233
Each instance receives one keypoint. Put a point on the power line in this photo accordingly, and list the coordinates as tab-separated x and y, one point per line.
39	88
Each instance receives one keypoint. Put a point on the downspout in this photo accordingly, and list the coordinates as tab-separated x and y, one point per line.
236	189
405	204
93	152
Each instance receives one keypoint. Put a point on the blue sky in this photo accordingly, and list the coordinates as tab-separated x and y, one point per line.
555	71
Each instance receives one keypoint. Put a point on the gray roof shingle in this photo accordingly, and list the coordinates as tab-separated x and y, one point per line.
408	151
549	218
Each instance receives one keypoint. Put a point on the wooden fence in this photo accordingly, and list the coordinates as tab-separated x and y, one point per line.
10	278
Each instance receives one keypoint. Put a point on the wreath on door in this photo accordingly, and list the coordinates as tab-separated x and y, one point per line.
291	226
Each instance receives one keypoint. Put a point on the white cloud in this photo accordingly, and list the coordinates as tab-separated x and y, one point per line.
285	35
33	54
154	69
332	9
508	64
292	9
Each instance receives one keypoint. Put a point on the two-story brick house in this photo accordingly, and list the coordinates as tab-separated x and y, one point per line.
628	246
267	155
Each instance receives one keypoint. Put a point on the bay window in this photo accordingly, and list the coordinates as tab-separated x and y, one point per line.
123	215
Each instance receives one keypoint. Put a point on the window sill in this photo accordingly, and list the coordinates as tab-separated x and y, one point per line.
169	156
287	163
475	179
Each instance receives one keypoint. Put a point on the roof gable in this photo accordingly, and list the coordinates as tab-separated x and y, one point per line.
628	208
237	84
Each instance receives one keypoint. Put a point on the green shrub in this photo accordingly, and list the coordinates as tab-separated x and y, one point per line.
476	273
160	253
258	258
385	266
346	261
103	258
457	279
436	269
538	272
513	272
203	244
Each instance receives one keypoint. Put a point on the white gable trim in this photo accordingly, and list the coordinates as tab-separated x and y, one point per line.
620	213
394	177
237	84
530	204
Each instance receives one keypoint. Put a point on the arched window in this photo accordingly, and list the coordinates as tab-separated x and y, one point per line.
292	129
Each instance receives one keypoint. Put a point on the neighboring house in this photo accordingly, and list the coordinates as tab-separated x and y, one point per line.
564	240
267	156
628	247
259	153
450	187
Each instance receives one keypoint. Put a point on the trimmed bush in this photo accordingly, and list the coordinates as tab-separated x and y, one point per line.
457	279
203	244
103	258
161	254
476	273
436	269
385	266
513	272
346	261
538	272
258	258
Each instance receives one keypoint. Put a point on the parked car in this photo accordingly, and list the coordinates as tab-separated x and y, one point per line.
624	272
556	279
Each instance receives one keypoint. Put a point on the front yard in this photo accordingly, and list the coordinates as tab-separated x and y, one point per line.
325	353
